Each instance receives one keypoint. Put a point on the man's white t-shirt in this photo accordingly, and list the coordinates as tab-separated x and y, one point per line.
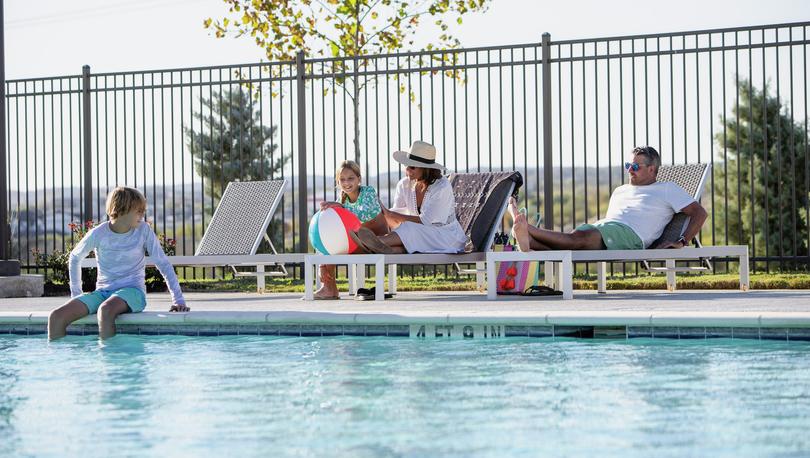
647	209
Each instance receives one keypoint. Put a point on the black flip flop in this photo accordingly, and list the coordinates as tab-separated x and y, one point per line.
371	291
541	290
367	294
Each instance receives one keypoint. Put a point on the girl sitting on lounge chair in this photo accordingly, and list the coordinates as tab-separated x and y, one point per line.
423	219
360	200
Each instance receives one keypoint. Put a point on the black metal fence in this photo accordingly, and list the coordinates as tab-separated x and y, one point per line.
564	113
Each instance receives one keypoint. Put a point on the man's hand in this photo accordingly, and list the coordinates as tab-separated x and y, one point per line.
680	243
180	308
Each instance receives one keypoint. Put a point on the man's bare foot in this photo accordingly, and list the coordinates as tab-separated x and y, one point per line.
513	208
520	231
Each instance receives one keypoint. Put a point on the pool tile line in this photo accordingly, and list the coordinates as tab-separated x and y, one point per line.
401	330
788	326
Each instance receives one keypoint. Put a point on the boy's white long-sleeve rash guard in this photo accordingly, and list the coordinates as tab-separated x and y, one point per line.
122	260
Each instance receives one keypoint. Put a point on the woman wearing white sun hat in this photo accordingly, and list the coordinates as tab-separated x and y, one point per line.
423	217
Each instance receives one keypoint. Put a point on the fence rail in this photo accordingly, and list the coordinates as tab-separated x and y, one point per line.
564	113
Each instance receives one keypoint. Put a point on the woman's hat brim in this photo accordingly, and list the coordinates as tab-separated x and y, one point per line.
402	158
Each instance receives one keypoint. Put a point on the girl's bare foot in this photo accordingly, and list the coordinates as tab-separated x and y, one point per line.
326	293
328	288
520	231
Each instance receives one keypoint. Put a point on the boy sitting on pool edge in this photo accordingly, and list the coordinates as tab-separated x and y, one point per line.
120	246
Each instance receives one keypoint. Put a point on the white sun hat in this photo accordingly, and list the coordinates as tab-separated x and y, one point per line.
422	154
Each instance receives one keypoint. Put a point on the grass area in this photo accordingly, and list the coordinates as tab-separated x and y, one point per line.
441	283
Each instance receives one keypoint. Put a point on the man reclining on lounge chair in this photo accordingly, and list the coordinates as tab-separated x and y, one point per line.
636	215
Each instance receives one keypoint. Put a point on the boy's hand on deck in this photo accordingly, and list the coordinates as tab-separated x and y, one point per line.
180	308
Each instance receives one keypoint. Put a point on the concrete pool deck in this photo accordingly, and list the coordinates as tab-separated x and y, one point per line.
689	313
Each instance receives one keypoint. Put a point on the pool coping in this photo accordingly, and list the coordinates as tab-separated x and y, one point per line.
786	326
559	318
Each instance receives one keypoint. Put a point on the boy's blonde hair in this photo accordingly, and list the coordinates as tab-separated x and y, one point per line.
123	200
351	165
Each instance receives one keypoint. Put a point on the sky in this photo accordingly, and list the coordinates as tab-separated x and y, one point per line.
53	37
56	38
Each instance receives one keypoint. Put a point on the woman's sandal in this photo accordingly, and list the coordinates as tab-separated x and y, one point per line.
372	243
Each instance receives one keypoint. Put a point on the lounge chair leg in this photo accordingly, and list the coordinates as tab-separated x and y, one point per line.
549	274
744	280
360	277
670	263
308	293
318	277
392	278
260	288
492	281
351	270
379	284
480	282
558	275
567	280
601	277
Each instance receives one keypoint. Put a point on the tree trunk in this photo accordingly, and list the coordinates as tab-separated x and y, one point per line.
356	106
356	99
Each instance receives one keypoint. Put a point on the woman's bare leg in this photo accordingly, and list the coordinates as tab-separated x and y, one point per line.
378	225
391	239
389	243
394	242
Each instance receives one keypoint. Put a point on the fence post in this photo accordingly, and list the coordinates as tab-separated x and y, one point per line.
5	238
302	154
87	191
548	172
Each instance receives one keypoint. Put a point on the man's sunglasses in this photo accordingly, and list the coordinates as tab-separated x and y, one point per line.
632	165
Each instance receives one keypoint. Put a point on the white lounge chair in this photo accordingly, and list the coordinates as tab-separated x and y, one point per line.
235	232
481	200
691	177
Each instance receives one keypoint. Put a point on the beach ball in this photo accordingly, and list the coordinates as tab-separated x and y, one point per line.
329	231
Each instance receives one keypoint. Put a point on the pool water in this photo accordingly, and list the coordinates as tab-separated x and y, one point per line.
257	396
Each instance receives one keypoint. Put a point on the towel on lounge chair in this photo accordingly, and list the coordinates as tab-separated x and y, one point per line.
691	177
480	200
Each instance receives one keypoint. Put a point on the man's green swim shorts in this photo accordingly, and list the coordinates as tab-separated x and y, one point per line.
615	235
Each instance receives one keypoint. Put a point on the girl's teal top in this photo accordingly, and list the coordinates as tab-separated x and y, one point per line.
366	207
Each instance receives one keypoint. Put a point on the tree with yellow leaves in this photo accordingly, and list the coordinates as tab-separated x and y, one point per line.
345	29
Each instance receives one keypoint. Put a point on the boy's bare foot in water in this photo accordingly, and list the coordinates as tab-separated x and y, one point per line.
520	226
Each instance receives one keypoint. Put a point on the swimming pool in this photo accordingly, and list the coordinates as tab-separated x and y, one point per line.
256	396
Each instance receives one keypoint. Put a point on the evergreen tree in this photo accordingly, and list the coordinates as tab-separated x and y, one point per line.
770	152
232	144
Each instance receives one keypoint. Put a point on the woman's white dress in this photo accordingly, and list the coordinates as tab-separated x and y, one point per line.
439	231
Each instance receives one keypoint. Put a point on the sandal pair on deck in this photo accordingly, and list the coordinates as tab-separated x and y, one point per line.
363	294
534	290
